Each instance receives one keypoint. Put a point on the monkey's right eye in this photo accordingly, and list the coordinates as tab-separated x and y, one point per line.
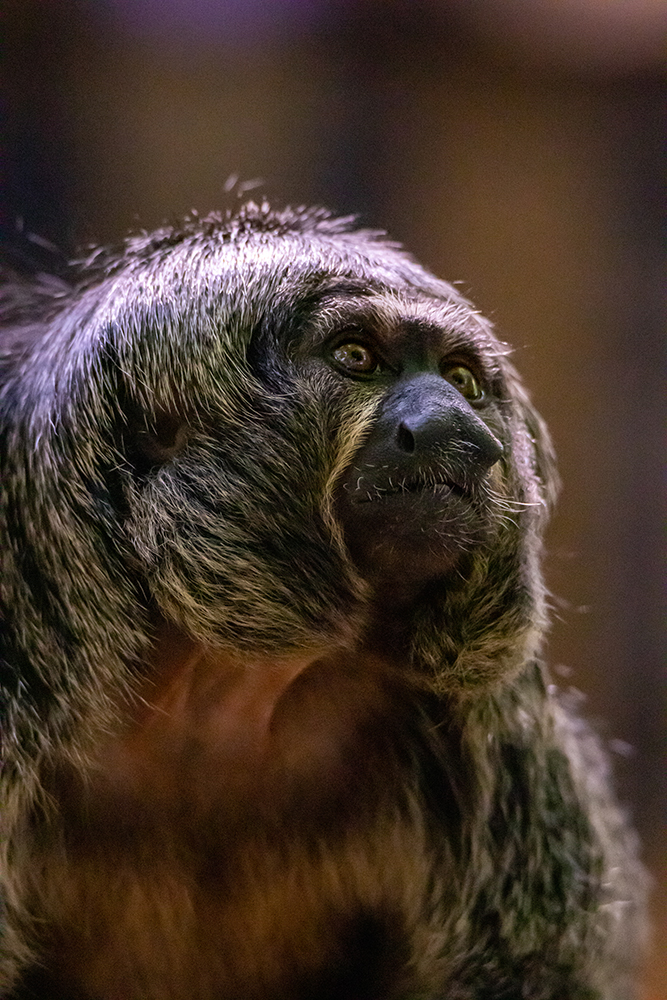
357	359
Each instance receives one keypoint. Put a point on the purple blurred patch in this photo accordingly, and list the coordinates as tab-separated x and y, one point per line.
216	21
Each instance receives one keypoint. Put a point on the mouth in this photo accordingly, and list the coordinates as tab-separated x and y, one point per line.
371	492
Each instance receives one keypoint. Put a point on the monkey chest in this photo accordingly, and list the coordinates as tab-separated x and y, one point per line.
242	839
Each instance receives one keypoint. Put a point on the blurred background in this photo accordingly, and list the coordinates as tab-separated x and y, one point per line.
514	146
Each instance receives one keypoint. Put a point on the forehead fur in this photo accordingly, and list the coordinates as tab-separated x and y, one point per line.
213	280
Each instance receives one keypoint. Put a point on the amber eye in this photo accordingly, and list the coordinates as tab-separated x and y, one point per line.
463	379
356	359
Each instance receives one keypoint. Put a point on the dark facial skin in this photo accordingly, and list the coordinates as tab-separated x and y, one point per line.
413	498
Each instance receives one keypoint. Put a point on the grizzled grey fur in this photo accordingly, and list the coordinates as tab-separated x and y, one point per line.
174	439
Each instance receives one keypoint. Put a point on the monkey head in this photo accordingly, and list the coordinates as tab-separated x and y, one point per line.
280	433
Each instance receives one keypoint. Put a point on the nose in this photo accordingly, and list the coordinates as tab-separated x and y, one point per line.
437	427
426	421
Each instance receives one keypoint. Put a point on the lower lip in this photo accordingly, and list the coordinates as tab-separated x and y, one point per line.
406	492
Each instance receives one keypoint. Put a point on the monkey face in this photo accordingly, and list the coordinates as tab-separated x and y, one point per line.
413	497
423	466
416	493
415	418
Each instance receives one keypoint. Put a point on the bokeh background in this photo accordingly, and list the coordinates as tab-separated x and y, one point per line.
514	146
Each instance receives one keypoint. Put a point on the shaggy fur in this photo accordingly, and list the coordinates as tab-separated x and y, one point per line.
174	443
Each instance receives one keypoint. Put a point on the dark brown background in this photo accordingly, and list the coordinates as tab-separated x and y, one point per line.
522	157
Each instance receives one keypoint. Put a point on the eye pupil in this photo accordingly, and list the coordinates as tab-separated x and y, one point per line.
463	379
355	358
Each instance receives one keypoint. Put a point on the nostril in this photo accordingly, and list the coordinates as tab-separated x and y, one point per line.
405	439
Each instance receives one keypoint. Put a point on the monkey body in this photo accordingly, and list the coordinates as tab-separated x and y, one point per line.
273	719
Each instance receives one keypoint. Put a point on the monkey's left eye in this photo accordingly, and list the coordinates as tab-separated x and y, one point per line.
463	379
357	359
